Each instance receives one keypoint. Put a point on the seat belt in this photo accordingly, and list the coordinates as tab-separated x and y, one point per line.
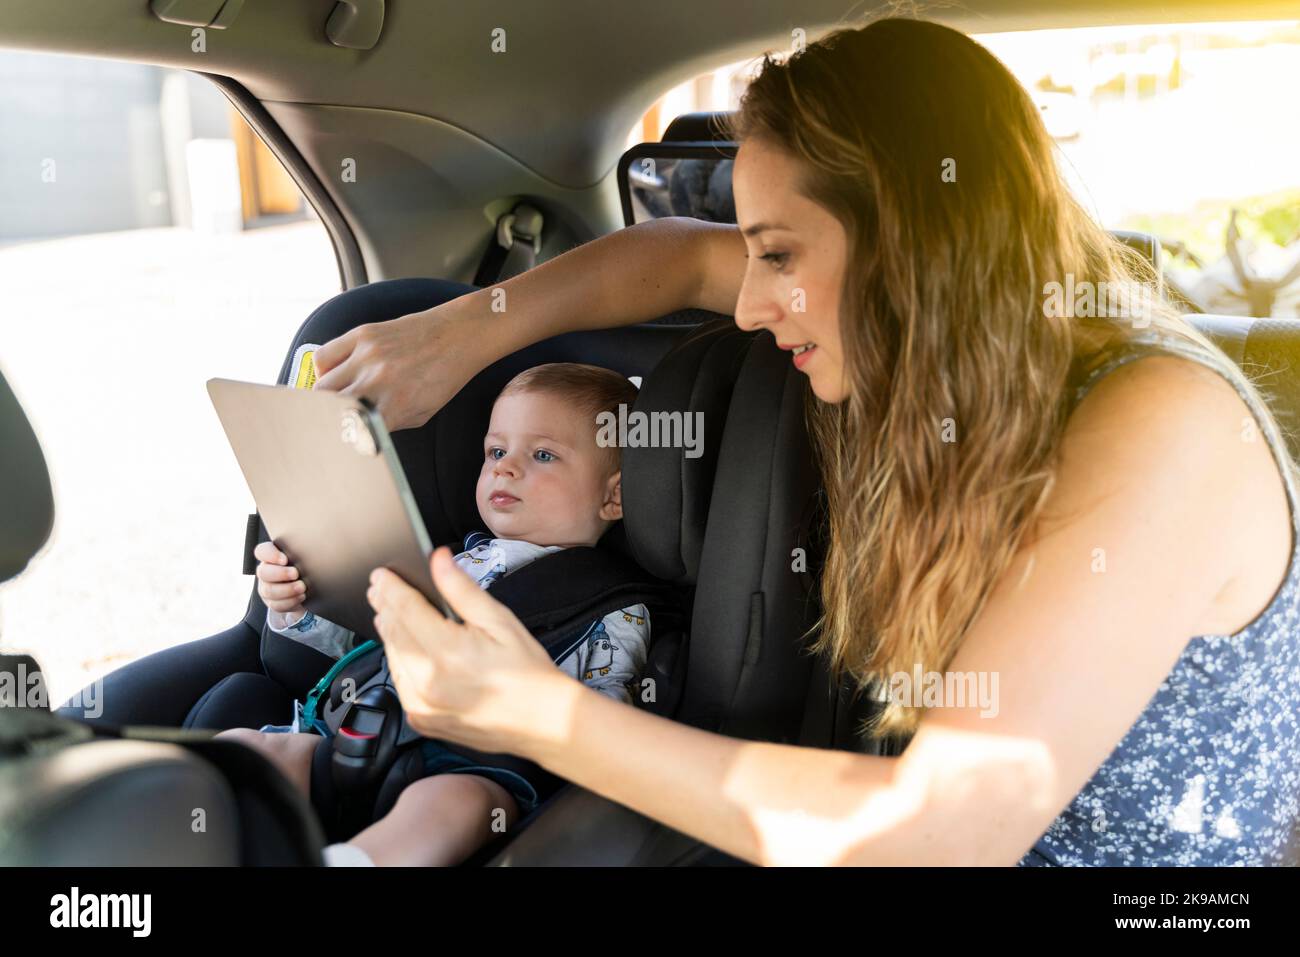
514	246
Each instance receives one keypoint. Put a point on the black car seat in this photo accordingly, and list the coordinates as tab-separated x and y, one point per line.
247	676
1266	348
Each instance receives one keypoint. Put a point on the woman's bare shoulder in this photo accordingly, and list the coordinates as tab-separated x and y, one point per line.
1175	422
1167	401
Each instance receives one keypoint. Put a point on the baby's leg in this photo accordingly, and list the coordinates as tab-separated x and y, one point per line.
291	753
438	821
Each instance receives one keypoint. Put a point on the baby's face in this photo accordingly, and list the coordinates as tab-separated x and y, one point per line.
544	479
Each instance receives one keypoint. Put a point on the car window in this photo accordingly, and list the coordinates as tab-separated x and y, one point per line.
1187	132
148	241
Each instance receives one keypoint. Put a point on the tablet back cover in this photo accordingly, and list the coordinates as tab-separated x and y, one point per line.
331	492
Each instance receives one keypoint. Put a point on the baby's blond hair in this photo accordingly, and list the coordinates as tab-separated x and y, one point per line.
591	389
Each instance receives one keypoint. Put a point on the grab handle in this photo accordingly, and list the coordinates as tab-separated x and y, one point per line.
355	24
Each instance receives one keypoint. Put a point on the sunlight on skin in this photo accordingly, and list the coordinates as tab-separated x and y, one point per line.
794	837
915	812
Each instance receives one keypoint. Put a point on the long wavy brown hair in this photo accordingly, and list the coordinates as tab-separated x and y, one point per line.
959	380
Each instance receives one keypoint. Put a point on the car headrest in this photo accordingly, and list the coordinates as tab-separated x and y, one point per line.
26	499
1144	243
698	128
668	481
1269	350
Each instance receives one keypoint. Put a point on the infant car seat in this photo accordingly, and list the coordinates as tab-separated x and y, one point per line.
739	669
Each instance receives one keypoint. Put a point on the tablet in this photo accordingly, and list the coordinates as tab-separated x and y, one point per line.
331	492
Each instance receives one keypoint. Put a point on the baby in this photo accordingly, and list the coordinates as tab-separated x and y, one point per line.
545	485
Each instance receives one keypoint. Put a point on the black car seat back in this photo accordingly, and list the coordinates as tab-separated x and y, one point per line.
767	506
1269	351
747	507
26	499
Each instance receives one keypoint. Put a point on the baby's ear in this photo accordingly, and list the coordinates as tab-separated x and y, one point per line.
611	510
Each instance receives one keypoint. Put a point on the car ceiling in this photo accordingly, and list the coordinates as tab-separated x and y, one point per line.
444	132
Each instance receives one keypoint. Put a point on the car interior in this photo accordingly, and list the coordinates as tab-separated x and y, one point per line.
471	166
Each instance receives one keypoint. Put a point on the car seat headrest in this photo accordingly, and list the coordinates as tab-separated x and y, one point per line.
667	488
1269	350
26	499
706	127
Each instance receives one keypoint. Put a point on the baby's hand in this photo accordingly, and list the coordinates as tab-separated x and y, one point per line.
277	580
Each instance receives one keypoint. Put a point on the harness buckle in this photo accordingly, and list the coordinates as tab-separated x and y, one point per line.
365	745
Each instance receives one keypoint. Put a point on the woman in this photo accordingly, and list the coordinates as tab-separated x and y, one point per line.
1123	565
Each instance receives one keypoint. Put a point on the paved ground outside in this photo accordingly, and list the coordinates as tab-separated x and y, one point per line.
108	341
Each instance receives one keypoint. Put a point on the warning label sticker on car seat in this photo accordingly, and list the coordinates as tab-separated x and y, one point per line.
302	371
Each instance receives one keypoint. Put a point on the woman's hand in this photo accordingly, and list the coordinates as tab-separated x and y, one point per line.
486	683
408	367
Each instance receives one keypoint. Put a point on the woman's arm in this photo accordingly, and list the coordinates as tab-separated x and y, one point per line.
1152	466
412	365
629	276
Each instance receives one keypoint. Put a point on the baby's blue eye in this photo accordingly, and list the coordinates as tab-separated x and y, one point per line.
542	452
492	453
